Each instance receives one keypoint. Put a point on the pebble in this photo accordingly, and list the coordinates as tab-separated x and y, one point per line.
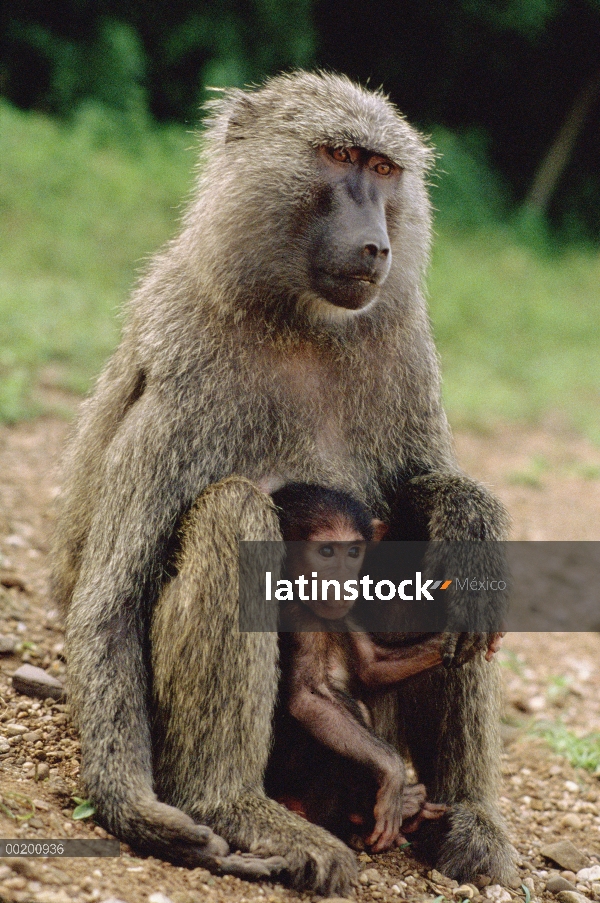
438	878
116	900
571	821
596	891
43	771
570	876
482	881
555	884
7	645
15	730
4	746
591	874
465	891
497	893
159	898
571	896
370	876
565	854
32	681
335	900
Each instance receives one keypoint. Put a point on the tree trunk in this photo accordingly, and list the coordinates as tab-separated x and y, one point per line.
558	156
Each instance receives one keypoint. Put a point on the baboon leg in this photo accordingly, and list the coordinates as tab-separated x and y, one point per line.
214	695
449	723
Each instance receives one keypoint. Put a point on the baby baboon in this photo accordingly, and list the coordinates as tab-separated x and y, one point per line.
325	673
282	334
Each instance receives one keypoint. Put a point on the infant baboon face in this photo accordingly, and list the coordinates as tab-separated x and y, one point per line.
333	553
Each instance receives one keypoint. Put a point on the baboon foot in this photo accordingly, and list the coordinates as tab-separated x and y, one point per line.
314	859
167	833
471	841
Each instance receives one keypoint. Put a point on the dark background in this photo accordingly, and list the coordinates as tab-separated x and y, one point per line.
517	81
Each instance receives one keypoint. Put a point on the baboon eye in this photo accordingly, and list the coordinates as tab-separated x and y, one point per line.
340	154
383	168
354	552
326	551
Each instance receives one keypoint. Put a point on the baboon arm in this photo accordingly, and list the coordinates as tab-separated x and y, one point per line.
380	667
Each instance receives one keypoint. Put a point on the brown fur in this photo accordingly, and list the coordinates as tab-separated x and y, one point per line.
231	365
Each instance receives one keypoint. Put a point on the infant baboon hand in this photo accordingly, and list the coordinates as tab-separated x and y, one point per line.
416	808
388	816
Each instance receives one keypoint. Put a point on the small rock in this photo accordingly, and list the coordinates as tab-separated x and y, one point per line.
32	736
565	854
159	898
370	876
465	891
43	770
335	900
497	893
572	786
41	805
32	681
596	891
11	581
7	645
568	875
482	881
555	884
15	730
116	900
4	746
528	882
26	867
571	821
571	896
16	883
591	874
438	878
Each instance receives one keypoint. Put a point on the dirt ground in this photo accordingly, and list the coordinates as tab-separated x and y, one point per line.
550	482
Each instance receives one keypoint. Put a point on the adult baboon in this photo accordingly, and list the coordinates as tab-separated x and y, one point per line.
283	335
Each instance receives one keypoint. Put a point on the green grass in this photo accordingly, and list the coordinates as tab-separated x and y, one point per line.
518	330
82	205
582	752
79	211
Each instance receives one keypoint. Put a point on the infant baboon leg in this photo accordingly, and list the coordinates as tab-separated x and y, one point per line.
214	692
450	724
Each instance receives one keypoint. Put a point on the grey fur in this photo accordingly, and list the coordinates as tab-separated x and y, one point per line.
230	365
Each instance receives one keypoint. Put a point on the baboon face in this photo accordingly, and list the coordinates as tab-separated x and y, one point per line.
350	251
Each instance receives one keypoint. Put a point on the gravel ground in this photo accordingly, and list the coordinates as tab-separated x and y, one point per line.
551	484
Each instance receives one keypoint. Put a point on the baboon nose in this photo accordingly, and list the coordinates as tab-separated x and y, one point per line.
374	250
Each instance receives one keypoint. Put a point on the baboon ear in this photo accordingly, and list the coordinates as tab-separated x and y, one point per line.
241	119
379	529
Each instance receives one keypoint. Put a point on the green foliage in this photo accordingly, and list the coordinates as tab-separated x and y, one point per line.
465	189
83	809
82	204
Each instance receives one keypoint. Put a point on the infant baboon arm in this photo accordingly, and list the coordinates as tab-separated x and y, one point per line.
379	666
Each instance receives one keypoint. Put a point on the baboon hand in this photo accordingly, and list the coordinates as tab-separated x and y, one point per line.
459	648
247	865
